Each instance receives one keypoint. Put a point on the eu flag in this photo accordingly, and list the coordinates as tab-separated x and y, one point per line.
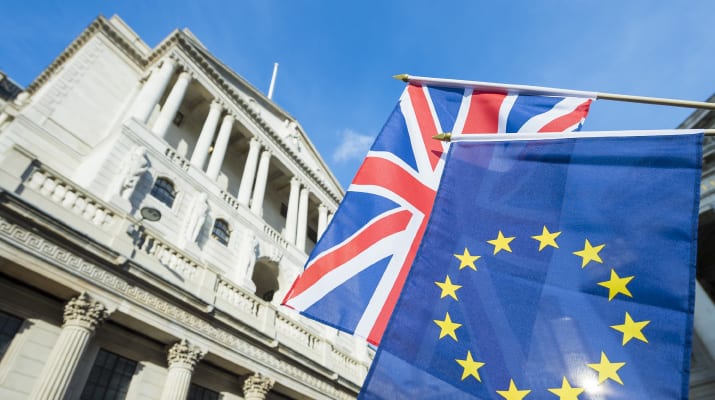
551	269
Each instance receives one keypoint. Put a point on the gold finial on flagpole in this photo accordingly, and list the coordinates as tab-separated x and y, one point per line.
445	137
402	77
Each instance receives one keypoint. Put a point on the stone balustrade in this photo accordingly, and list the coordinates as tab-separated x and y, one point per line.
69	196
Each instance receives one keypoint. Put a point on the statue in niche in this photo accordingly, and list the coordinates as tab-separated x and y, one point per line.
135	166
198	216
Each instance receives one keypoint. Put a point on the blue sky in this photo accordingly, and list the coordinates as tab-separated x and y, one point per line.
337	58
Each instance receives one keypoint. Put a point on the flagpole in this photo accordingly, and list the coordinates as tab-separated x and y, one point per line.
526	89
447	137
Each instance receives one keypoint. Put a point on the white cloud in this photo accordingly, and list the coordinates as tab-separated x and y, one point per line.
353	146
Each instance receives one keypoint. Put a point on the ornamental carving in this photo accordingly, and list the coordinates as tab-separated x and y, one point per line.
257	385
70	261
184	353
85	312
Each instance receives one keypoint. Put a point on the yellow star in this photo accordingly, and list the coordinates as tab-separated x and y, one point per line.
467	260
547	238
513	393
447	327
448	288
501	243
589	253
607	370
631	329
471	367
566	392
617	285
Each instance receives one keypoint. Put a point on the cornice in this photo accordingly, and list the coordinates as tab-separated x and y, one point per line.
99	25
20	227
180	40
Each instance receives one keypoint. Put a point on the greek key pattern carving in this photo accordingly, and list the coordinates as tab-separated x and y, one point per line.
36	244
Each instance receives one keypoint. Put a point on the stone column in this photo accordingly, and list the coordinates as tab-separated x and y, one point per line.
201	151
256	386
292	215
81	317
171	105
249	172
182	359
322	219
302	219
261	179
220	146
152	90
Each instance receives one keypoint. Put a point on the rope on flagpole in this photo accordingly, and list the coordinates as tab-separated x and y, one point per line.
447	136
534	90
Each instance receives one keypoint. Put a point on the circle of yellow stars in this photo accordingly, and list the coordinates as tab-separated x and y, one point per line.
616	285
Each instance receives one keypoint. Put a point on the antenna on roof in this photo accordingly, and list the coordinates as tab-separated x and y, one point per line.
273	80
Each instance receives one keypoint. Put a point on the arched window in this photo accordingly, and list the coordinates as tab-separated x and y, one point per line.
163	190
221	231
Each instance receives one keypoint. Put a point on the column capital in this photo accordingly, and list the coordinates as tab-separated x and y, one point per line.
322	208
254	142
185	75
171	60
257	384
184	354
295	181
216	103
85	312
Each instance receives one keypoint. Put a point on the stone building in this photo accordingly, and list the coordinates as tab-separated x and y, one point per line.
154	209
702	369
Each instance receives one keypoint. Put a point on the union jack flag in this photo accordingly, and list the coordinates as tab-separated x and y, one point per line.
355	274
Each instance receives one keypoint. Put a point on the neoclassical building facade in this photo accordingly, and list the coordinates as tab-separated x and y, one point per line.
154	209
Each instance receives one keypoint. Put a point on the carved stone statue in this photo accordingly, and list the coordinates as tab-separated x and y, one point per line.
197	218
134	168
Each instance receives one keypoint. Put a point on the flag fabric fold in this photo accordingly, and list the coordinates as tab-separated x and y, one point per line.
560	268
355	273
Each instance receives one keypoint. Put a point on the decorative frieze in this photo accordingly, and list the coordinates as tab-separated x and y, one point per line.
33	243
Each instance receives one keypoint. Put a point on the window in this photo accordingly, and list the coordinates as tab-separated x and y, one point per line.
197	392
163	190
9	326
284	210
109	378
221	232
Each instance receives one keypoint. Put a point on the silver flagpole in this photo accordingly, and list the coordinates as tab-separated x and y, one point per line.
538	90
